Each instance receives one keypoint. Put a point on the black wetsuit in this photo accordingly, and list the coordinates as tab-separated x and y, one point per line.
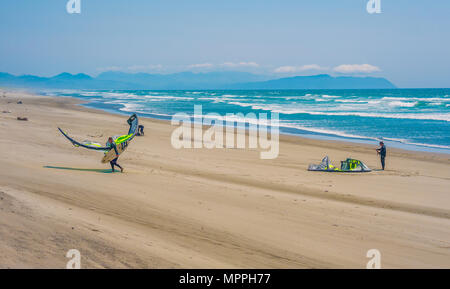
382	151
114	161
140	130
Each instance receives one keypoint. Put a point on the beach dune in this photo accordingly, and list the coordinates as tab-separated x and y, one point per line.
207	208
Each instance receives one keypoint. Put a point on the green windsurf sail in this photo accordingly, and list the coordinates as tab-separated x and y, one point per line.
133	123
349	165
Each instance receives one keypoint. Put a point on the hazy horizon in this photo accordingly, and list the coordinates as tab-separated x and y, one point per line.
407	43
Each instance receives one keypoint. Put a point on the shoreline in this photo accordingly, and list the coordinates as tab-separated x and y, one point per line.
318	140
207	208
292	131
303	133
311	136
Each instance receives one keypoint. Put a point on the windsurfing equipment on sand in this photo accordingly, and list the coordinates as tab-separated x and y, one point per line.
349	165
121	141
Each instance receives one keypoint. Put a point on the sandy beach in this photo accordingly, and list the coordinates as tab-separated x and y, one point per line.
207	208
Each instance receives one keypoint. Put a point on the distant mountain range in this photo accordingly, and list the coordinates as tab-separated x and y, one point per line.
190	80
321	81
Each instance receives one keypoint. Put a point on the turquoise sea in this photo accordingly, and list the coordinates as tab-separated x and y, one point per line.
415	119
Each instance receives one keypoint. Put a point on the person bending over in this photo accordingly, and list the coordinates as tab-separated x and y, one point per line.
140	130
113	146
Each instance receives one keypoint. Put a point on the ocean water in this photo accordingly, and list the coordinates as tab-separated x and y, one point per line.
416	119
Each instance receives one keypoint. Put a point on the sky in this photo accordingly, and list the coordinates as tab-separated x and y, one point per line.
408	42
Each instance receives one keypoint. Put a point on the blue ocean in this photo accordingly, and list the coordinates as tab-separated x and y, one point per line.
415	119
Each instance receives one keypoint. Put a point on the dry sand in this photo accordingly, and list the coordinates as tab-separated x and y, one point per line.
201	208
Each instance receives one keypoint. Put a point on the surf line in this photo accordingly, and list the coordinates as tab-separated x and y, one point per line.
191	132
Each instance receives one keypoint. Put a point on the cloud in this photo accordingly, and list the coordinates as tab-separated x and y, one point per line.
292	69
240	64
356	68
285	69
201	65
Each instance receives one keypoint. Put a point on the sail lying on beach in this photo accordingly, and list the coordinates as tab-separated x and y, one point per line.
349	165
122	139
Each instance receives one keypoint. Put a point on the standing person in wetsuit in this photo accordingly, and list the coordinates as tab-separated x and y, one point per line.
113	163
382	152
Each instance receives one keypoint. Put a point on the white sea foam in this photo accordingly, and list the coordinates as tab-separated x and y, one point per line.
236	119
241	104
130	107
389	107
325	131
422	116
357	109
330	96
425	99
402	104
89	93
347	135
120	94
234	96
358	101
306	96
166	97
351	101
337	133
